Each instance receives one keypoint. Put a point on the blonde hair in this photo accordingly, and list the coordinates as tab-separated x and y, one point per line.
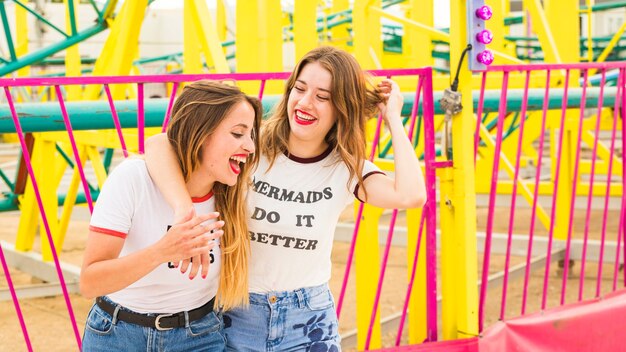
200	108
353	98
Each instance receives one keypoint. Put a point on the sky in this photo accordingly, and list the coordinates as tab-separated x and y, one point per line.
442	8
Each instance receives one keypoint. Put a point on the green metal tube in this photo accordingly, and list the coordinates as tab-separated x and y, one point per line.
72	14
39	55
41	18
7	32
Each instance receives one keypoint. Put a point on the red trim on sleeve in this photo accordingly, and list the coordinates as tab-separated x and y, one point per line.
107	231
203	198
356	188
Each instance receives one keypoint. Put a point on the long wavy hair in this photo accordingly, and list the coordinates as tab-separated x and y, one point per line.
354	101
200	108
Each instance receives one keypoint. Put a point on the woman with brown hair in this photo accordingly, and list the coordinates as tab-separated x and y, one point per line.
312	165
142	300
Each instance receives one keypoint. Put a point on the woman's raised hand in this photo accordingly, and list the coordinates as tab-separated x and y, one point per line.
391	108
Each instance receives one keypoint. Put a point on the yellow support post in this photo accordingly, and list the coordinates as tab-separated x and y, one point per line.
417	303
463	198
120	48
207	35
564	22
192	62
367	256
544	32
417	45
72	55
304	26
221	21
21	38
368	46
259	41
340	34
450	264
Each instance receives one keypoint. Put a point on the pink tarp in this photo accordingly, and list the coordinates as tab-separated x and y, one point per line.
593	325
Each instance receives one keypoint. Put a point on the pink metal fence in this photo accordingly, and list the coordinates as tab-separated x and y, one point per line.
423	100
560	177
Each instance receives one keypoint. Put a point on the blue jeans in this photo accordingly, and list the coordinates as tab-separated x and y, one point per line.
300	320
105	333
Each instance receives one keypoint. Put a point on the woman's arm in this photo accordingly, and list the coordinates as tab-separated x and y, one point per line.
407	189
166	174
104	272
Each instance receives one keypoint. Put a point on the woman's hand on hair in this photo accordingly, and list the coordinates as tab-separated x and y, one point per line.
393	99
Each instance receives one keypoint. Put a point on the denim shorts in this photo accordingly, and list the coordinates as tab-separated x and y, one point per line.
106	333
300	320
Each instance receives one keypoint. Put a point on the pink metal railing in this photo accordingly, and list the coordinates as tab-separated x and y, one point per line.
424	90
560	178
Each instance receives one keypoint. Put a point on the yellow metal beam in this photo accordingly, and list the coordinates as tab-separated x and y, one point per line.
339	34
502	58
544	32
72	56
208	36
368	48
304	26
462	205
192	62
120	48
417	45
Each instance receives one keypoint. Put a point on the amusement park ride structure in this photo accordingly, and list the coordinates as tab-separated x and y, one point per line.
497	116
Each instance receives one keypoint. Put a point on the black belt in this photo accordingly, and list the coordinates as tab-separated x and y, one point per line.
158	321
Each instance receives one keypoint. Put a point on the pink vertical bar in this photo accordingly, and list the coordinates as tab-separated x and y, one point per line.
407	297
556	189
492	200
581	282
431	220
166	119
44	218
383	267
620	88
357	224
572	209
507	259
379	288
262	89
140	118
619	242
533	215
70	134
16	302
623	217
479	113
116	120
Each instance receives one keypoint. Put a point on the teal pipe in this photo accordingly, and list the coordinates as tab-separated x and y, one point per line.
10	203
39	55
42	19
7	31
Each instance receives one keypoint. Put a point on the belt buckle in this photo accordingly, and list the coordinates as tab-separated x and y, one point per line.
157	322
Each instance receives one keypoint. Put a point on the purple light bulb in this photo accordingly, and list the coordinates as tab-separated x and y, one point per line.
486	57
485	36
484	12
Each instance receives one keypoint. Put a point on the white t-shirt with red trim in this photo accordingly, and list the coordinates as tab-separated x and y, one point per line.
131	207
293	211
